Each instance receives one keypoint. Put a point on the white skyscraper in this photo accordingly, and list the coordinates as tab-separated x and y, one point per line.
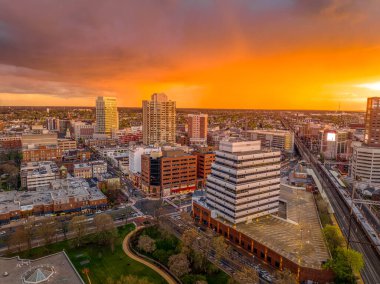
107	117
244	182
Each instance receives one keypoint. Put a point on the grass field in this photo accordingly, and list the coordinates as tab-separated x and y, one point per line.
102	263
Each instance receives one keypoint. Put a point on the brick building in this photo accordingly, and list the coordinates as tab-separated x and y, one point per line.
168	172
205	158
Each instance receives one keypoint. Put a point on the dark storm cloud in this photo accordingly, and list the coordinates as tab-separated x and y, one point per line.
74	42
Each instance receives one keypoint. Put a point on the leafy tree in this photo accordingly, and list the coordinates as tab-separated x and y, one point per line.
47	230
333	238
345	263
78	225
146	244
179	264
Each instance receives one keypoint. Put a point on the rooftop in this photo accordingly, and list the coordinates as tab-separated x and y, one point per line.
299	238
55	268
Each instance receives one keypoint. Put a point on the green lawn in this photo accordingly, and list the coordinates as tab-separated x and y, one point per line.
102	263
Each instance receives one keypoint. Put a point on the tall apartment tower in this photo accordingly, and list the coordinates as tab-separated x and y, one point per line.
197	128
372	122
244	182
159	123
107	117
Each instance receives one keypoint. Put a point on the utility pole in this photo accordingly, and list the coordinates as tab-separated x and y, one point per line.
351	209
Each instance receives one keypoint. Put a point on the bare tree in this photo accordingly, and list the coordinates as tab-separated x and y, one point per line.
285	277
146	244
246	275
18	238
105	230
179	264
220	247
189	237
47	230
78	225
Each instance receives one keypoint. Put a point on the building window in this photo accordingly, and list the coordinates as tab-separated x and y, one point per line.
277	264
255	251
269	259
262	255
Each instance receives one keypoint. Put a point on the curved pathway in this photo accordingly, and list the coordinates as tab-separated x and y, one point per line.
129	253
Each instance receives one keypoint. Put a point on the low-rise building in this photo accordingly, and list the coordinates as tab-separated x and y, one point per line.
10	143
168	172
205	158
61	196
42	153
272	138
67	144
38	174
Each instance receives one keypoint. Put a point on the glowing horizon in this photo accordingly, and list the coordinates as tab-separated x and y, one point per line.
262	54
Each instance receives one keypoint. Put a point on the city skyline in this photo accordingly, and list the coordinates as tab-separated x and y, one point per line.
321	55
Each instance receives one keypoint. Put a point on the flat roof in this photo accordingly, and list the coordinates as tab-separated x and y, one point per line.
299	238
16	269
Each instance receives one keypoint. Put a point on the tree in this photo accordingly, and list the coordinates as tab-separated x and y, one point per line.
285	277
78	225
179	264
189	237
47	230
333	238
29	229
220	247
18	238
246	275
146	244
105	230
345	263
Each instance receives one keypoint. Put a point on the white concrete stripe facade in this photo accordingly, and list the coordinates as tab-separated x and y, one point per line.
244	182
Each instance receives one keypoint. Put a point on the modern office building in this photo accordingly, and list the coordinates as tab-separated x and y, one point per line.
168	173
244	182
372	122
107	117
280	139
159	120
197	128
365	164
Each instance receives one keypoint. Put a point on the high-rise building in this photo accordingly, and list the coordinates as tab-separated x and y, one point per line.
52	124
372	122
197	128
159	123
107	117
244	182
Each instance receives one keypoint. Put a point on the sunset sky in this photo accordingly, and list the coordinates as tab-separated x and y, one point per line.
255	54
